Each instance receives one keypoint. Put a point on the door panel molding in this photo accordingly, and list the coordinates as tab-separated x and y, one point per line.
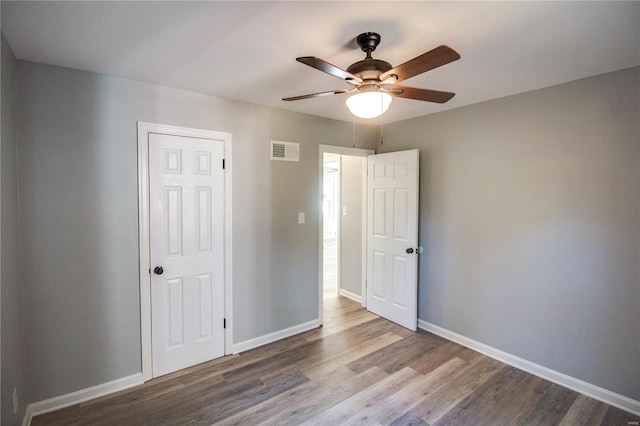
144	129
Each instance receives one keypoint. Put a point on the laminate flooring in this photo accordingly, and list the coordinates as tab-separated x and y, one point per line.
358	369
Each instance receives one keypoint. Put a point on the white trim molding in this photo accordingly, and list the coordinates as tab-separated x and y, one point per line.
588	389
275	336
144	129
350	295
58	402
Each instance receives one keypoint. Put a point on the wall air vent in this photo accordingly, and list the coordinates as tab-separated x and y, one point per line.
285	151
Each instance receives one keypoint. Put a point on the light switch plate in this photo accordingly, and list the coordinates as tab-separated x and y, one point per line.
300	218
344	210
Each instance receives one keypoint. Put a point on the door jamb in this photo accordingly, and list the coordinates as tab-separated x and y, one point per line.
356	152
144	129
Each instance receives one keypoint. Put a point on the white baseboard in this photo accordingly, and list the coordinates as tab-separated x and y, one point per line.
593	391
275	336
350	295
52	404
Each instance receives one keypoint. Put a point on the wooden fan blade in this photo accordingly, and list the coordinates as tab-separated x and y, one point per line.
419	94
324	66
435	58
316	95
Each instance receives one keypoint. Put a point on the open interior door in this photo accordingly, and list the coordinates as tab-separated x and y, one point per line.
392	237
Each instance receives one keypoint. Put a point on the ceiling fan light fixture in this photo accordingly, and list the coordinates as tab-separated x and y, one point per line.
369	104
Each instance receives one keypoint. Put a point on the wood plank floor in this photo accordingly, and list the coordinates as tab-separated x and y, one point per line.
357	370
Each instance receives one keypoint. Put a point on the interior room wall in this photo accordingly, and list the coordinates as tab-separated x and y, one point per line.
13	366
351	224
298	264
529	216
78	186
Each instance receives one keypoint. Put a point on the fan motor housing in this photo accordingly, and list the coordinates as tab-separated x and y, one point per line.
369	69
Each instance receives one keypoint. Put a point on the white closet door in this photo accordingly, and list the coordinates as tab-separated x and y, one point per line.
186	251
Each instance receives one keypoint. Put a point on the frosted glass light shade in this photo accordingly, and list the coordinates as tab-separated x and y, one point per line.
369	104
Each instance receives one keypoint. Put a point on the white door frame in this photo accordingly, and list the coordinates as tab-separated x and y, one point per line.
355	152
144	129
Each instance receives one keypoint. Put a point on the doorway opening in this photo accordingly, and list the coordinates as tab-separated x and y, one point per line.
331	224
343	177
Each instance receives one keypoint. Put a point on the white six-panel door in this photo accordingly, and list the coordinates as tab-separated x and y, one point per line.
392	237
186	191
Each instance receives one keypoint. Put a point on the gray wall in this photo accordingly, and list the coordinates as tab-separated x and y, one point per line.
351	224
529	215
78	183
295	188
13	367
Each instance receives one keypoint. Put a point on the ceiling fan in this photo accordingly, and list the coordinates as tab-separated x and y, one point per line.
376	80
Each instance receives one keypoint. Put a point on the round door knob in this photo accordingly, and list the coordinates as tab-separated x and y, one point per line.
158	270
409	250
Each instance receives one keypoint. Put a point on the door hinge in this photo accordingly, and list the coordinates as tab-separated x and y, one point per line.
224	323
223	165
149	271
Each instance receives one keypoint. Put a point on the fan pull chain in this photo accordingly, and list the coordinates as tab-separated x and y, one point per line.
381	131
354	131
381	122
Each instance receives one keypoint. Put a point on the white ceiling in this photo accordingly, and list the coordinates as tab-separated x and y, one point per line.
247	50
